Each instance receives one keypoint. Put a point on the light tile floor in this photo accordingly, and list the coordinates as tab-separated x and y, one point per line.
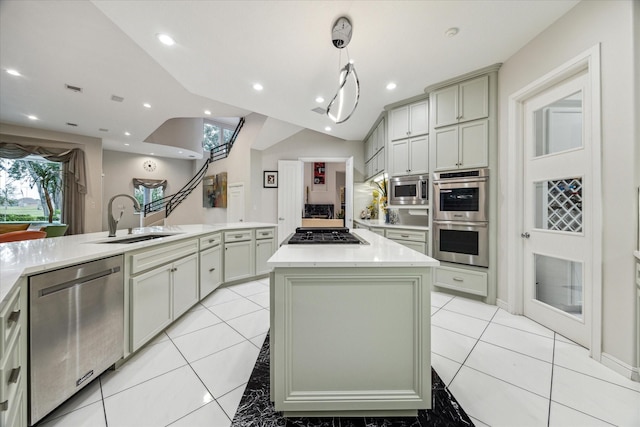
504	370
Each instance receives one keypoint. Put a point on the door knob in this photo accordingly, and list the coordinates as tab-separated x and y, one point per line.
525	235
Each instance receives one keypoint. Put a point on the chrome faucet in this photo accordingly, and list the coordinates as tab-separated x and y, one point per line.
113	223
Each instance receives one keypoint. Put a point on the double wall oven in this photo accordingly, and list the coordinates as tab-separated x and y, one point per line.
461	217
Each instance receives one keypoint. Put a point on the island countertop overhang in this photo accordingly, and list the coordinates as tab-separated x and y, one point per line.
379	252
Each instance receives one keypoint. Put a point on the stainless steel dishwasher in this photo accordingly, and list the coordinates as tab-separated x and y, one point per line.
76	330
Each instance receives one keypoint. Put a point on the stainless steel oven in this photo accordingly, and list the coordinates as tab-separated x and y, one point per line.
409	190
461	242
461	195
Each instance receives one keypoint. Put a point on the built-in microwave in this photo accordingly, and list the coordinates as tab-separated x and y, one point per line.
409	190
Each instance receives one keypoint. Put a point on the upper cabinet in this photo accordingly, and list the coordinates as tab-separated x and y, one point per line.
374	150
409	120
461	102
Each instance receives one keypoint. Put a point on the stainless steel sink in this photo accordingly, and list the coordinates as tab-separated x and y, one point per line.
135	238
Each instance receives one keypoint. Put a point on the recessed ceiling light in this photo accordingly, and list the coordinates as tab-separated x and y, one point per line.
126	144
258	87
13	72
146	105
151	154
127	133
166	39
451	32
180	152
207	112
391	86
32	117
328	128
319	100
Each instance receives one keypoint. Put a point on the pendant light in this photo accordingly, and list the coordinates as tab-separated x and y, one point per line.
345	101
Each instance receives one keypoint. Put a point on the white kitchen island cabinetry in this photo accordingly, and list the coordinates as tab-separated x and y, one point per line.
210	263
239	255
13	361
350	329
163	284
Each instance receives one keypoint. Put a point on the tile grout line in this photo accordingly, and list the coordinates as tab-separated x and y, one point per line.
553	366
104	407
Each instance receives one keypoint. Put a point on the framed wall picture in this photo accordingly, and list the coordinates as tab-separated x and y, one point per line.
214	191
270	179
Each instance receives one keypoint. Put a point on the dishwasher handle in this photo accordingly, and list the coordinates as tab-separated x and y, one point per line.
77	282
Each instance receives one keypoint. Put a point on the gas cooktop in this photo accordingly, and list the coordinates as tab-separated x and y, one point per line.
313	236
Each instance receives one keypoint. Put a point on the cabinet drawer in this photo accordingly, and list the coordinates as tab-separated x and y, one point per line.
11	373
210	241
264	233
472	282
10	320
378	231
237	235
145	260
412	235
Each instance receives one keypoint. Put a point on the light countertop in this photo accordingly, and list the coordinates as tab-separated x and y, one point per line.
380	223
380	252
28	257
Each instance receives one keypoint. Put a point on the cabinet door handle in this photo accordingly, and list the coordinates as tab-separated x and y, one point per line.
15	373
13	317
4	405
212	240
458	279
238	236
404	235
174	269
211	270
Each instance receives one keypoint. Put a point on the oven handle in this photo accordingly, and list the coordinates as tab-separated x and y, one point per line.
482	224
454	182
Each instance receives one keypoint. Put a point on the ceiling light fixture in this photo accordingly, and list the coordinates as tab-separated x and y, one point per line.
328	128
166	39
345	101
146	105
258	87
126	144
207	112
127	134
391	86
32	117
319	100
13	72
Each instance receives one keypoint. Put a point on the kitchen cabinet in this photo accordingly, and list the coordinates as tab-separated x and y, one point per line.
375	141
210	264
461	102
163	285
409	156
414	239
462	146
409	120
376	165
239	255
265	247
463	280
13	357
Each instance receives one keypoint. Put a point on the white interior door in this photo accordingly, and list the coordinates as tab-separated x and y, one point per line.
289	197
235	202
558	205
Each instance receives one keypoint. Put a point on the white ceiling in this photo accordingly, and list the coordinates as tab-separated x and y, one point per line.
224	47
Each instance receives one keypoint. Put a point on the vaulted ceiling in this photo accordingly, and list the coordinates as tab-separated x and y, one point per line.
222	48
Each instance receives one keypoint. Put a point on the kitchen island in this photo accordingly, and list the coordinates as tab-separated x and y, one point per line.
350	329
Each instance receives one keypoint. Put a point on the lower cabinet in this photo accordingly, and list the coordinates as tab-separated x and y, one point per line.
414	239
264	249
238	255
13	358
464	280
210	270
163	285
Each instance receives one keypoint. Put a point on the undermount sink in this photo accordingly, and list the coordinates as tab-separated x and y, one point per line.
135	238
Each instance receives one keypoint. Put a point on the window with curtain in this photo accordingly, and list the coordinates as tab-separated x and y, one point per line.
74	181
147	191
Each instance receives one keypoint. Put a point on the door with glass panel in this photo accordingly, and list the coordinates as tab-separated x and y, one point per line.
558	231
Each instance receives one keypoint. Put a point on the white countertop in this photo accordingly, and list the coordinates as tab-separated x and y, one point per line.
380	223
28	257
380	252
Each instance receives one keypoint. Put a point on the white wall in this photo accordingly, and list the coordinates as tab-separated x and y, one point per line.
303	144
609	23
120	168
92	148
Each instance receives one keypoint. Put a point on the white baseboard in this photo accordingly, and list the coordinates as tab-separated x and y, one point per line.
502	304
628	371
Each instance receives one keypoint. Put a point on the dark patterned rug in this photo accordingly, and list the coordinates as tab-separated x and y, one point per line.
256	409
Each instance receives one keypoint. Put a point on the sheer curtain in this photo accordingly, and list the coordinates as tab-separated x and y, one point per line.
73	177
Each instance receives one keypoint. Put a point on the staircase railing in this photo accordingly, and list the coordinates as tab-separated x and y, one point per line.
171	202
